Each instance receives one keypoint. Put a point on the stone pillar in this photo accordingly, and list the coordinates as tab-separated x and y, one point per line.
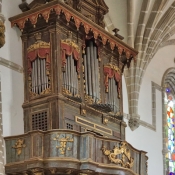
2	27
130	22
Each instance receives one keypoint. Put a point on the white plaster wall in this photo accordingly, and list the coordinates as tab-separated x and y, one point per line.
144	138
12	81
118	15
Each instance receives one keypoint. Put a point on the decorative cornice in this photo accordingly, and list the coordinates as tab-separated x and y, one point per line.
11	65
79	19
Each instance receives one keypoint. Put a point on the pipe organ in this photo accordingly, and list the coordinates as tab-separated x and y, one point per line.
70	66
70	76
73	109
111	96
39	67
91	69
39	77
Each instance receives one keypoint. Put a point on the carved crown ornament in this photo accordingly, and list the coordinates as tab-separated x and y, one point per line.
120	155
79	20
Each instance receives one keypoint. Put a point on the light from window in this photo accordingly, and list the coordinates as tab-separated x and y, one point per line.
170	157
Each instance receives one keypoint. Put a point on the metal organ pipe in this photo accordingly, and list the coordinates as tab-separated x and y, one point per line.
44	73
36	77
86	72
68	72
112	98
91	69
96	73
33	77
70	78
39	77
89	72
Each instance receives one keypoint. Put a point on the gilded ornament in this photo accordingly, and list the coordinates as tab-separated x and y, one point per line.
63	143
32	94
105	121
89	99
83	112
66	92
2	35
125	161
19	145
114	67
46	91
71	43
53	170
38	45
37	171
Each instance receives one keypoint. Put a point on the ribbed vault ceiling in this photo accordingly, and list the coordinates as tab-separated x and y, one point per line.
150	25
169	81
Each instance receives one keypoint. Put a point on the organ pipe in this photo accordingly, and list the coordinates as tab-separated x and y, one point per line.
70	76
112	98
91	71
39	77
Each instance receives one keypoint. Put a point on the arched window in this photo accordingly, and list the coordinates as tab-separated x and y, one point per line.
170	141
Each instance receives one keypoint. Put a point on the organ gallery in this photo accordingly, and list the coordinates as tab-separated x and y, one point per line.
73	106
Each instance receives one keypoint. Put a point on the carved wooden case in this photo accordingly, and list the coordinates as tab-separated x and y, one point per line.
73	69
73	105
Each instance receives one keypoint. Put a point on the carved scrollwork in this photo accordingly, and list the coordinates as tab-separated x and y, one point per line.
89	99
125	161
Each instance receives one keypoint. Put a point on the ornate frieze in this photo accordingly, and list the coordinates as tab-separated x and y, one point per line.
65	150
79	20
